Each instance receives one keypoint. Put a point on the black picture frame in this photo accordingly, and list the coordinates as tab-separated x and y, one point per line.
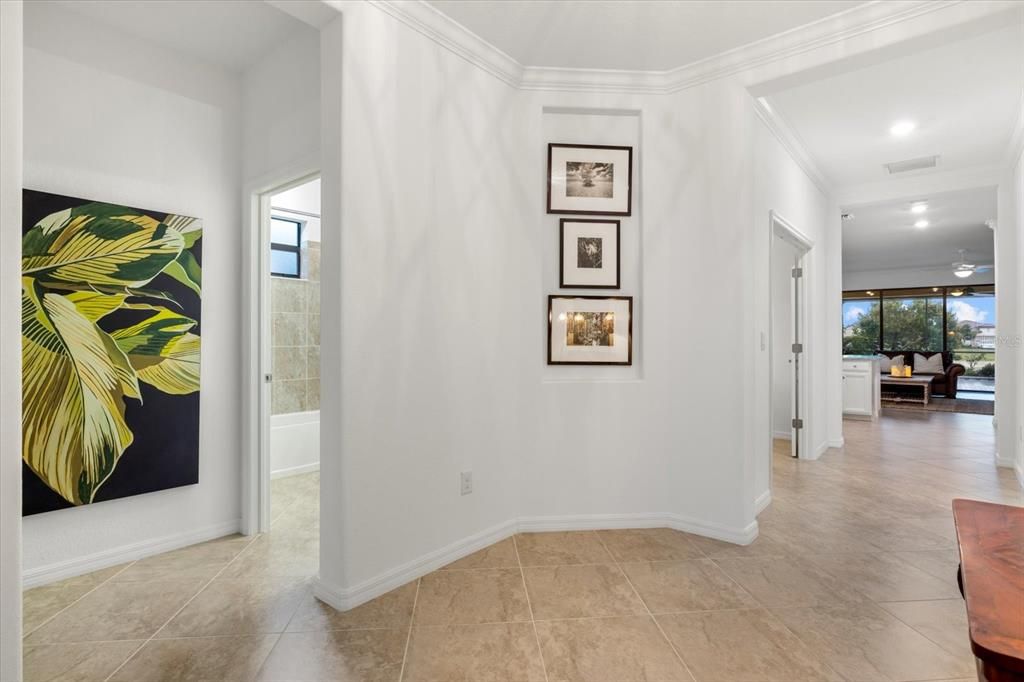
607	148
561	253
629	333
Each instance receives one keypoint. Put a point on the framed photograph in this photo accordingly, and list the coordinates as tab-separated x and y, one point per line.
589	254
590	330
590	179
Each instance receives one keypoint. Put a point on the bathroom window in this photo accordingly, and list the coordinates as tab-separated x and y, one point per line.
285	253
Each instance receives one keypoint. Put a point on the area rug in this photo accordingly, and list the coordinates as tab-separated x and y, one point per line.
945	405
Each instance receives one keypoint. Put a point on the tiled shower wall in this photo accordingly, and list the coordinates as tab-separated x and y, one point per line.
295	337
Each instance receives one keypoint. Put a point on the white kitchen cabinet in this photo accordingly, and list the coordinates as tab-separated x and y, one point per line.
862	394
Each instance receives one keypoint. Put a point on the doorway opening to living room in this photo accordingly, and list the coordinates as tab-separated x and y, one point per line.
919	294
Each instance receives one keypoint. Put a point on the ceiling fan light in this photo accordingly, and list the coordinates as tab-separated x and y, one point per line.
956	292
963	272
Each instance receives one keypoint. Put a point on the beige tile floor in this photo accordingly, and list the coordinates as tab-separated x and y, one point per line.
852	578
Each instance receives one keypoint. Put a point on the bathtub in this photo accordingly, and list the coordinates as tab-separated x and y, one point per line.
294	443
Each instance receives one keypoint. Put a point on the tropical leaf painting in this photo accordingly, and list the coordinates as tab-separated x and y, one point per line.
110	313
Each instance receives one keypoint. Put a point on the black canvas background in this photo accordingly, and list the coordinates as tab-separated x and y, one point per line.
165	452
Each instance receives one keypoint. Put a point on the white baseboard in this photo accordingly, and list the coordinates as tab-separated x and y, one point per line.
1019	469
1005	461
345	599
836	442
540	524
762	502
42	575
736	536
782	435
295	471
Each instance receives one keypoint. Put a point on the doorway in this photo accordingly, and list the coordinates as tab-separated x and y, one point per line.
284	411
293	266
787	344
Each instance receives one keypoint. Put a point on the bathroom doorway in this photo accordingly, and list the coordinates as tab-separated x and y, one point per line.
281	481
293	265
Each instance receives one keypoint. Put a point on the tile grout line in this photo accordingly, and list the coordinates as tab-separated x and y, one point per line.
184	606
529	606
408	636
101	584
647	608
933	641
309	590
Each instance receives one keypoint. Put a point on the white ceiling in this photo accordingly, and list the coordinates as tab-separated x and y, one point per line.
646	35
233	34
883	236
963	95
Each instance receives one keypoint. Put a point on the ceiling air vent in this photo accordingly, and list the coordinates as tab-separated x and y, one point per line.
912	164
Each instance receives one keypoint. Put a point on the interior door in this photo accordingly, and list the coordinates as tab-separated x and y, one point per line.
797	349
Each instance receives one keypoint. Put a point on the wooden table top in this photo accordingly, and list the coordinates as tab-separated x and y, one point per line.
914	379
991	538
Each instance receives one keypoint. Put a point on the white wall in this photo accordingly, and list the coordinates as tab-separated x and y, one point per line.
1018	193
435	274
781	186
152	129
439	256
10	338
1010	316
911	277
281	101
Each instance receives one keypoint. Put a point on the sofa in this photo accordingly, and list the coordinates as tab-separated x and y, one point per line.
943	384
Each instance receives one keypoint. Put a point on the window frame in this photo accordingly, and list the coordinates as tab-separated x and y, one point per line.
288	248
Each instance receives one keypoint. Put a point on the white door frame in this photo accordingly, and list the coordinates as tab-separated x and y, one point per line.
256	276
783	229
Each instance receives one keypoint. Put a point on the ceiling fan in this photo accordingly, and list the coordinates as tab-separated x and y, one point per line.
962	268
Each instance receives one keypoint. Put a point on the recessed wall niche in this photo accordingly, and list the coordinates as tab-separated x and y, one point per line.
592	127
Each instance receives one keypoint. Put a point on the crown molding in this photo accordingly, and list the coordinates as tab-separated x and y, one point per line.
453	36
792	143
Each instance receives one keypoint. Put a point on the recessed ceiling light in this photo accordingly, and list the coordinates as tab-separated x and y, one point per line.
919	207
921	224
901	128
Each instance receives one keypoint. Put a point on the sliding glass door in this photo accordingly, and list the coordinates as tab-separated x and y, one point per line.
959	319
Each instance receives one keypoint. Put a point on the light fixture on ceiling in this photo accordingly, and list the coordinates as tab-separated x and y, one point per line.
919	207
870	293
921	224
902	128
956	292
962	268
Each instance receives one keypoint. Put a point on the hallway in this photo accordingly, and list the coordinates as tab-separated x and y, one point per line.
853	577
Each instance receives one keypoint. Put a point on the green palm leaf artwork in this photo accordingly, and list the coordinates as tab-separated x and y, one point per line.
111	302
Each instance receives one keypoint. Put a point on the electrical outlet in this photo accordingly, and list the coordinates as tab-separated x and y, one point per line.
466	482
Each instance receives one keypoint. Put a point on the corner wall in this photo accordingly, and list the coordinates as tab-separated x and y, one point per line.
437	253
10	337
175	148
